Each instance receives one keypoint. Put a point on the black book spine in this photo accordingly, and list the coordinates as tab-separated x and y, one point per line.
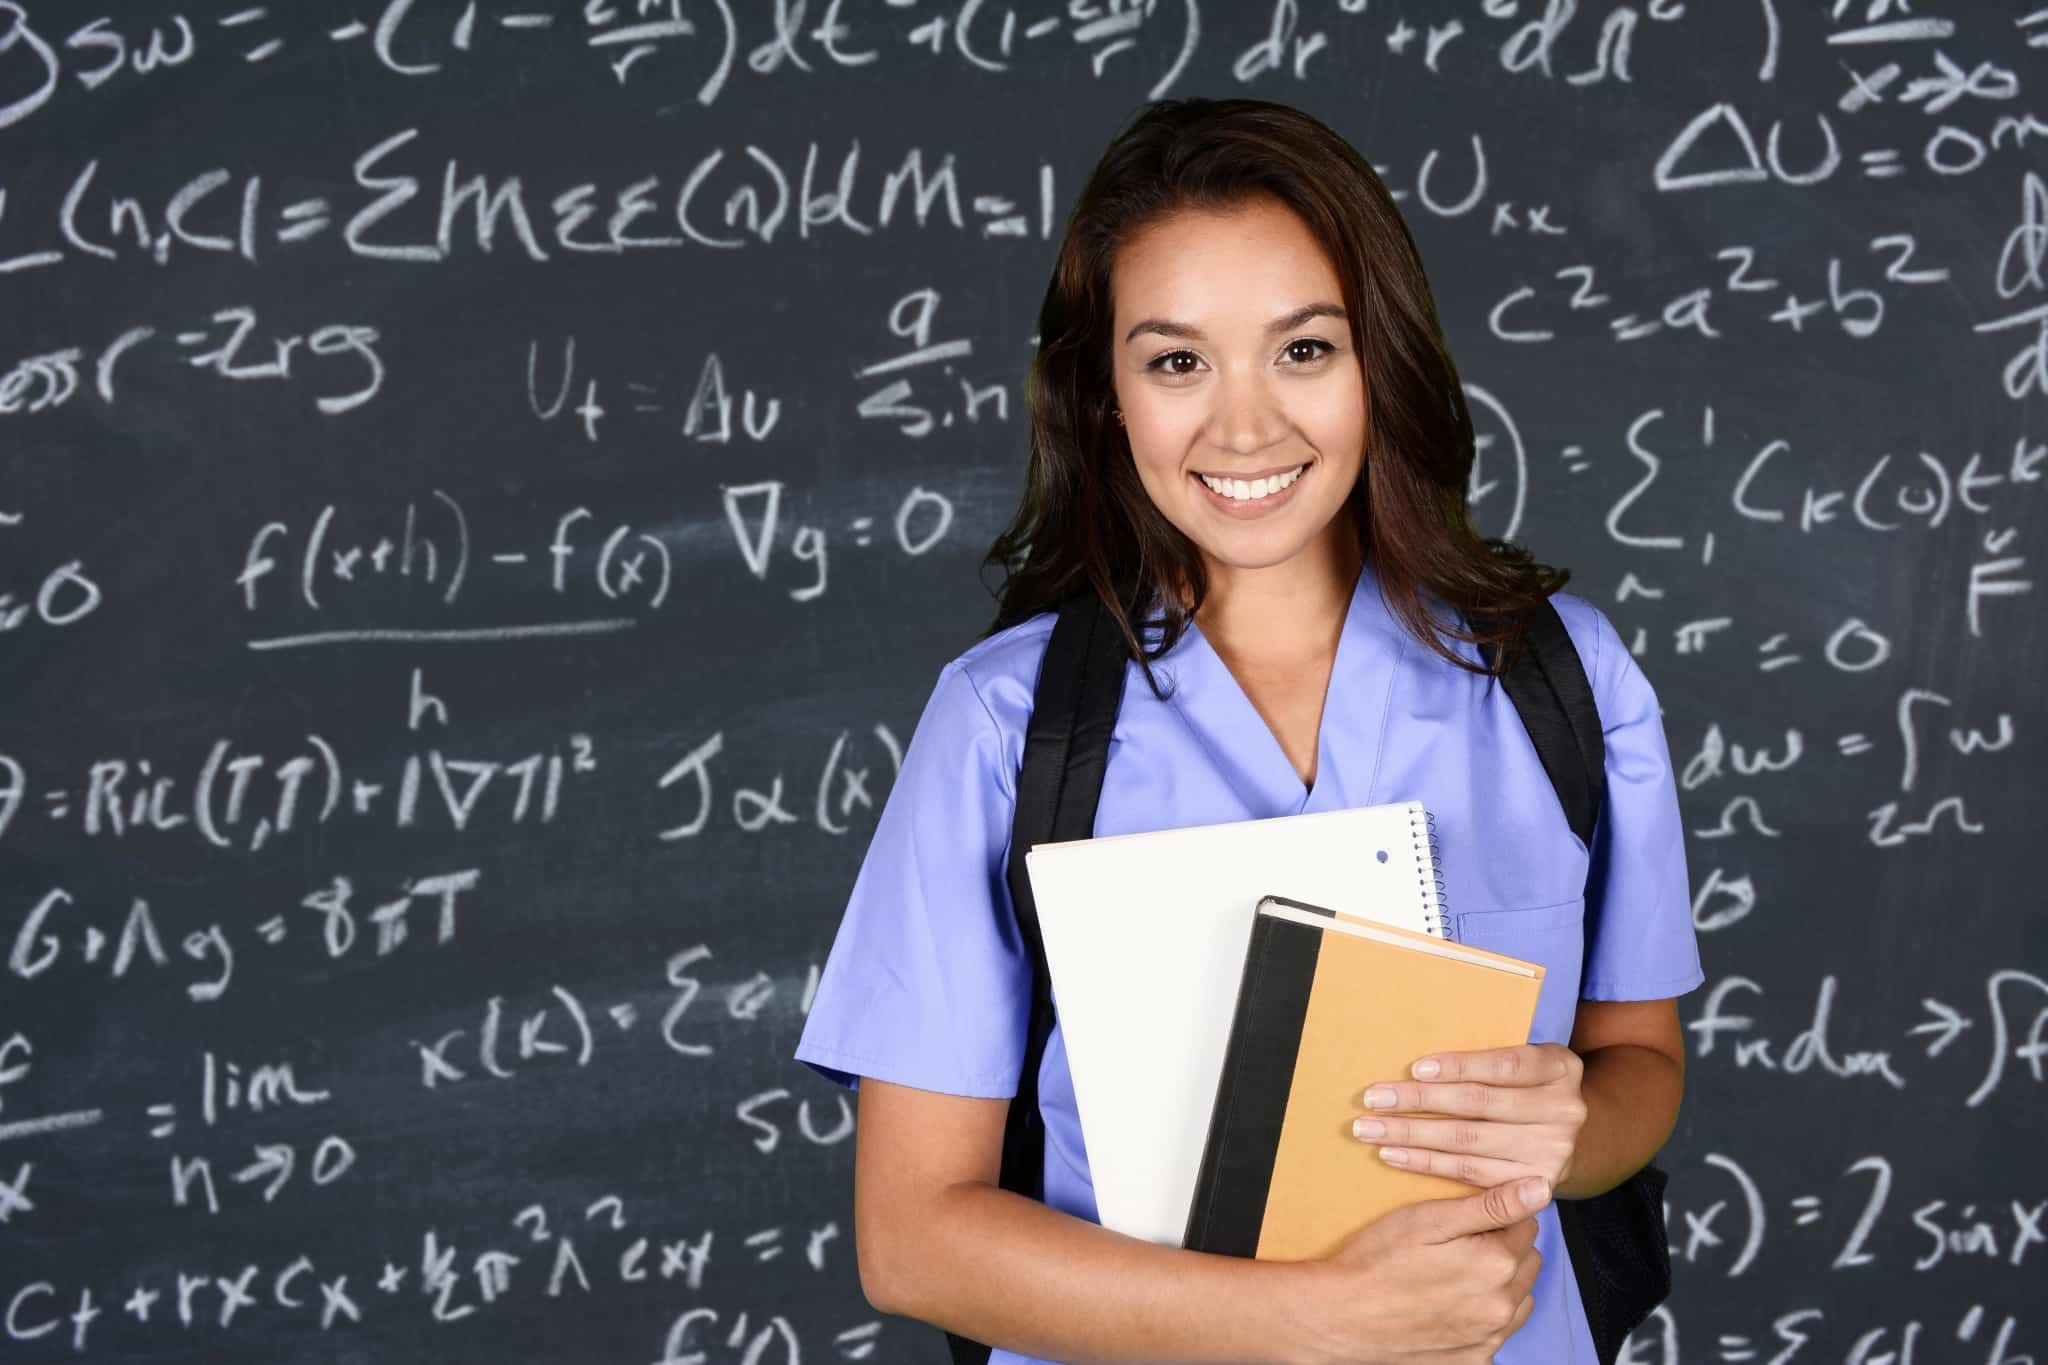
1229	1206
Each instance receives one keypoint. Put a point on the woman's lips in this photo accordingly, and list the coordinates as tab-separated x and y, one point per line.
1253	507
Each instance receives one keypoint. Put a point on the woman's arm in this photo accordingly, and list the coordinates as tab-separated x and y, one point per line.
938	1240
1634	1054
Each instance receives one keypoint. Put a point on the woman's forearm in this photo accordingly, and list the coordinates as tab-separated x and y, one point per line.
1632	1095
995	1266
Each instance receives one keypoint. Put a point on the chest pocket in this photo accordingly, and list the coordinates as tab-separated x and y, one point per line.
1553	935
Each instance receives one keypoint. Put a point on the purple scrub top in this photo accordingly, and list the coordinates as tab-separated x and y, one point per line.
928	984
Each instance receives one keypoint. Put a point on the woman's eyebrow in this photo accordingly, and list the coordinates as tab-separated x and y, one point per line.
1286	322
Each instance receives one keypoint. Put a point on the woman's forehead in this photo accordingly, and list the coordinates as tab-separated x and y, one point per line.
1231	273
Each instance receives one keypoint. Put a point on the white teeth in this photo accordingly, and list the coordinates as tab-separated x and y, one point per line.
1257	488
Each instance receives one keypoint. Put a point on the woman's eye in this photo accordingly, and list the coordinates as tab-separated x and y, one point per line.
1320	348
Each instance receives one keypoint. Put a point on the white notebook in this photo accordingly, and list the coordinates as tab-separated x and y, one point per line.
1145	937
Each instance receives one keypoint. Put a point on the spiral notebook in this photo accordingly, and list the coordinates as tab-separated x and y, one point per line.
1145	937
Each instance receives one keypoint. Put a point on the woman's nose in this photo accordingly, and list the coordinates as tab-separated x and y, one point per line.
1246	418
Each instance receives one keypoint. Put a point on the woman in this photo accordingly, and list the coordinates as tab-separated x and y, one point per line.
1245	418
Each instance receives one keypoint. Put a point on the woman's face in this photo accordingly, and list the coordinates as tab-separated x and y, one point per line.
1232	359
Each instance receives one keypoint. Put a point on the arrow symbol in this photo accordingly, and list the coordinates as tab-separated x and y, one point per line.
1947	1025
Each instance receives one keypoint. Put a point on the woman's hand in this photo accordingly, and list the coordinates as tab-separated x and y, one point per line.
1517	1111
1443	1281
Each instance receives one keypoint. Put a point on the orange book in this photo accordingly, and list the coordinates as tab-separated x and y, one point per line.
1327	1005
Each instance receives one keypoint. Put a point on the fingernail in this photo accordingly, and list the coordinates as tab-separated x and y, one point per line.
1534	1190
1426	1068
1397	1156
1368	1128
1379	1097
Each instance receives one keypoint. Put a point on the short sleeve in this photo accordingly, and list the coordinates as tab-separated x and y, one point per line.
1644	946
927	983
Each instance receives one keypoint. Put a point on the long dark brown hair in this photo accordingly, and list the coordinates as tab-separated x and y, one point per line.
1086	522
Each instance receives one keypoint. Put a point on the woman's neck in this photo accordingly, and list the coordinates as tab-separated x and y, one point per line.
1286	614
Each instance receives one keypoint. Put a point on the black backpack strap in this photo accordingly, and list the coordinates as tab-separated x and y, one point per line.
1616	1240
1549	689
1066	752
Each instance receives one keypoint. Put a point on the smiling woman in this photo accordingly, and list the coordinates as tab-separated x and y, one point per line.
1249	443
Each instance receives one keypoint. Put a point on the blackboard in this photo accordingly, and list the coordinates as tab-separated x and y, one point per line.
485	490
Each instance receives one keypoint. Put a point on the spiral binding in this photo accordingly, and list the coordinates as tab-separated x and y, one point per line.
1429	877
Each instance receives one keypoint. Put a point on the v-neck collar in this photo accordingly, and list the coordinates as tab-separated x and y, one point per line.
1237	739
